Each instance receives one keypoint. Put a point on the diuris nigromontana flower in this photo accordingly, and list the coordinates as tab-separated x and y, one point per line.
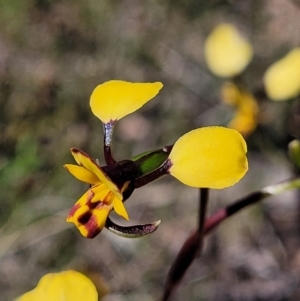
209	157
90	212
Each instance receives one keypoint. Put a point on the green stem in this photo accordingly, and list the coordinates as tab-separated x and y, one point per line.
152	176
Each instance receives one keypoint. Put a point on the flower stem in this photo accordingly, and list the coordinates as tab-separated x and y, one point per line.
189	250
250	199
204	196
193	243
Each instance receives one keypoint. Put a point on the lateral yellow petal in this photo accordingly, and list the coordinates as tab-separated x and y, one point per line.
209	157
227	53
82	174
282	79
120	208
115	99
86	161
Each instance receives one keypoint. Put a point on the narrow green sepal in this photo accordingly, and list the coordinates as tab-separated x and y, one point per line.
151	160
135	231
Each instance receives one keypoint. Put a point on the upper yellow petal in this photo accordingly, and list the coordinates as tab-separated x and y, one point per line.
209	157
115	99
282	79
86	161
82	174
68	286
227	53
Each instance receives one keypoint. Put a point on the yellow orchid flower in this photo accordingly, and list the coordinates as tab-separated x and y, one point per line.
212	157
209	157
115	99
227	52
282	79
68	286
90	212
246	108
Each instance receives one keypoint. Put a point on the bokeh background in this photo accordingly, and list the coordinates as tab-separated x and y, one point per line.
52	55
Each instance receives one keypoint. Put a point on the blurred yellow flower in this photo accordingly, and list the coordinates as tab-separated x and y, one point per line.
68	286
246	108
282	79
227	53
90	212
209	157
115	99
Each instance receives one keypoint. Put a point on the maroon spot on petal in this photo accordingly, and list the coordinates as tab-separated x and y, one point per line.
85	218
92	227
93	205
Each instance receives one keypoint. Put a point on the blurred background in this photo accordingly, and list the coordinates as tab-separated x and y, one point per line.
52	55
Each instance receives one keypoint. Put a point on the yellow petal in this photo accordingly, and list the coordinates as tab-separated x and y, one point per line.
80	208
120	208
243	122
97	221
82	174
101	193
108	198
227	53
85	198
246	108
86	161
212	157
115	99
231	94
282	79
90	220
68	286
